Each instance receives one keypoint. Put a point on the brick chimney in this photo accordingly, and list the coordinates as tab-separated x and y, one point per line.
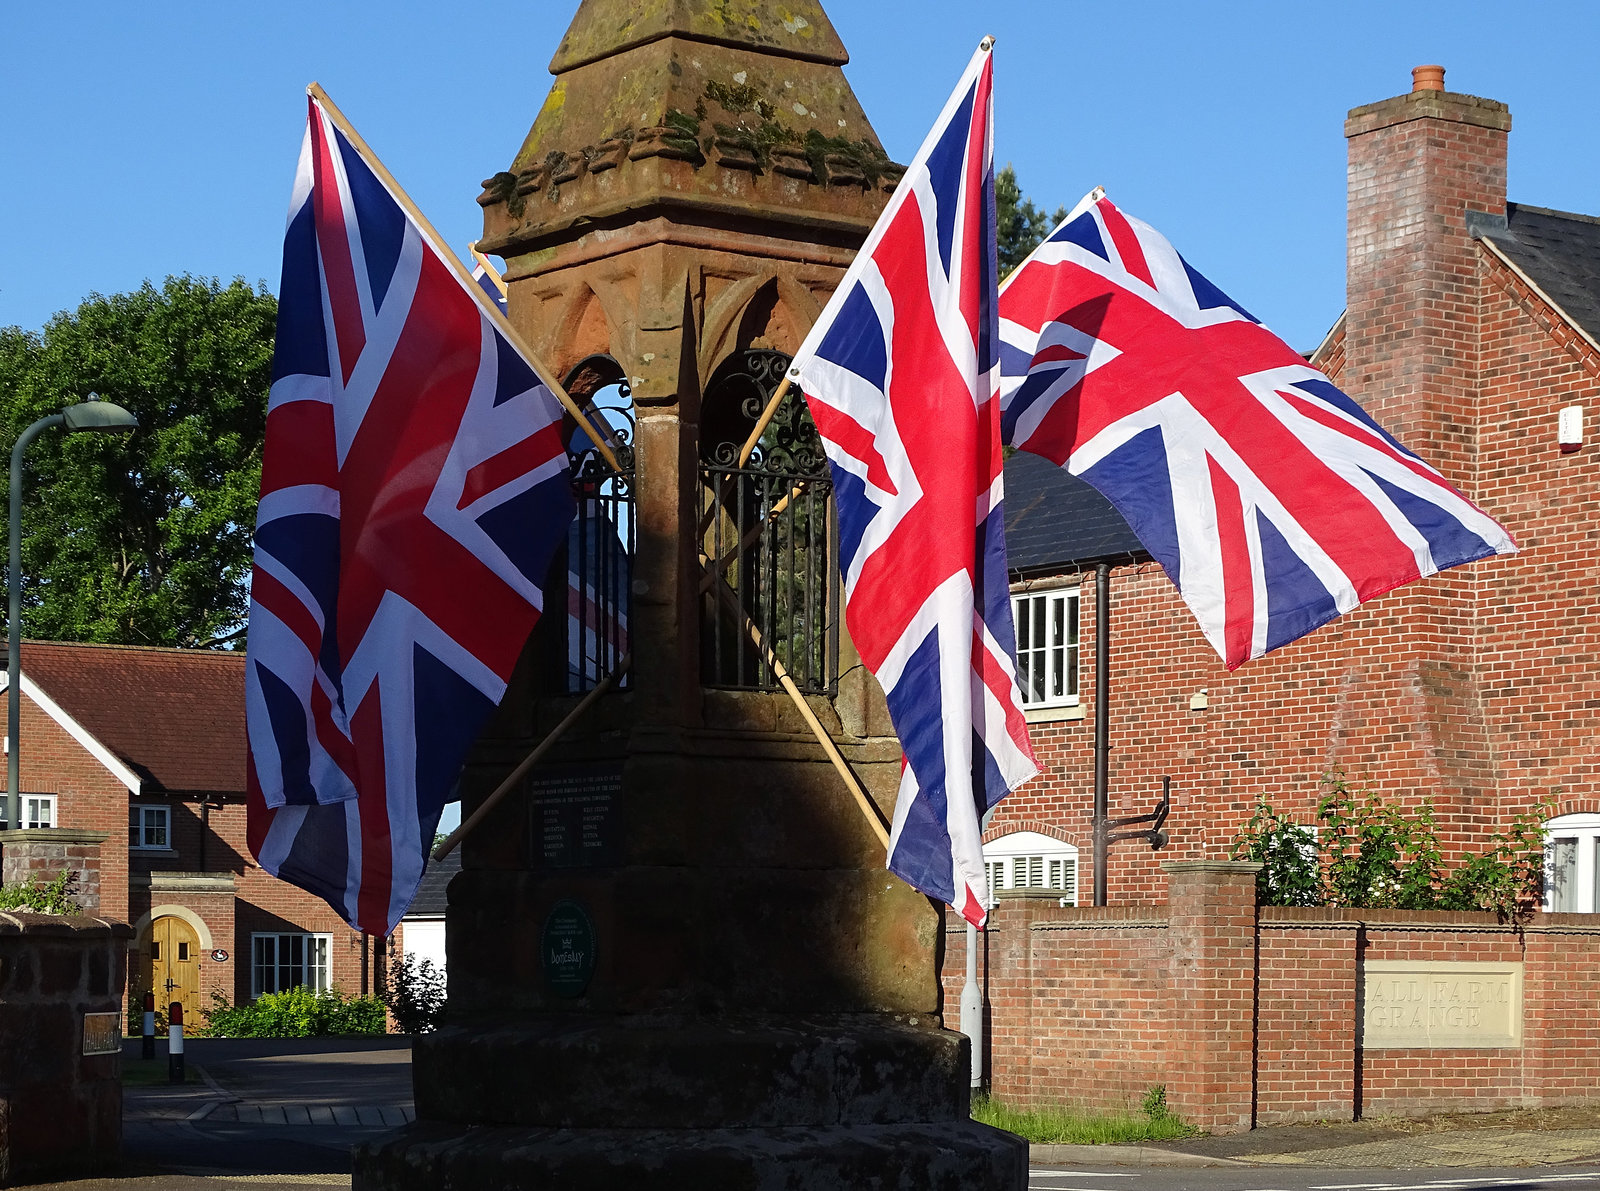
1420	164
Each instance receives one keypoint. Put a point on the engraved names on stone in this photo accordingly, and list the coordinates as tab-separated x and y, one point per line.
575	814
1440	1005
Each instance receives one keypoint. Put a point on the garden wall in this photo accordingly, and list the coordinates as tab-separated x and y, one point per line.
1257	1018
60	1107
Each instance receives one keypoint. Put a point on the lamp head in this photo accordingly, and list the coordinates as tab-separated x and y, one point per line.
94	414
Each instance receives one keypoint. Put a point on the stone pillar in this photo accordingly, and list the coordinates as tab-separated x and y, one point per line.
732	991
1212	923
40	854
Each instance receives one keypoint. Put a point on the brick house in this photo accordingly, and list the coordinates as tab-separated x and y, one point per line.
1471	323
147	748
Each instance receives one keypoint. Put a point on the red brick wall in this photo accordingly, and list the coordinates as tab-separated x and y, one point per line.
1248	1022
87	796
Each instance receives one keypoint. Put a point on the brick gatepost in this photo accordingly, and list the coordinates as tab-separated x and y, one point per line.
39	854
1212	926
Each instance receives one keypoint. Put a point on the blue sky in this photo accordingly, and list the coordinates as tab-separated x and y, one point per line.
143	140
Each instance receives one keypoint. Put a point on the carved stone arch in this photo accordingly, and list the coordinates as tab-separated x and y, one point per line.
583	328
755	313
141	928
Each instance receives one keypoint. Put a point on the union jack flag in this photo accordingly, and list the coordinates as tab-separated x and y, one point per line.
901	380
1272	500
413	492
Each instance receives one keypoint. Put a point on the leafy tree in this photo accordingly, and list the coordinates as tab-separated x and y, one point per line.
142	538
1021	226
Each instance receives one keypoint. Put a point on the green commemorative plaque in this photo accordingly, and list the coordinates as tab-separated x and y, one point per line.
566	949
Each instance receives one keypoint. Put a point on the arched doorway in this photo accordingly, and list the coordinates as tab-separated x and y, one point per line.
170	965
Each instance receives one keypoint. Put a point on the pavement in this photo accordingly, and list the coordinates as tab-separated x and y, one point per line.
281	1114
1533	1137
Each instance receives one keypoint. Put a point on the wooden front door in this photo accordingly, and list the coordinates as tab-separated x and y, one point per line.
175	966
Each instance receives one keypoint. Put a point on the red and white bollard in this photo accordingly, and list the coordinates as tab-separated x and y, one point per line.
148	1046
175	1043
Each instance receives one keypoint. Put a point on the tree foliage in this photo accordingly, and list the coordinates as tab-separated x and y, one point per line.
1021	226
143	538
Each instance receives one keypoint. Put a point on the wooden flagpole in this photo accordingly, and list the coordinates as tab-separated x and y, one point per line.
748	449
764	421
729	602
488	804
489	271
442	247
755	531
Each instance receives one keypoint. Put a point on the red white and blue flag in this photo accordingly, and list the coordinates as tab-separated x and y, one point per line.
414	490
1272	500
901	377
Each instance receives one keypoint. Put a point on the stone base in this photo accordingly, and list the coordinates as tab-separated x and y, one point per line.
950	1156
577	1072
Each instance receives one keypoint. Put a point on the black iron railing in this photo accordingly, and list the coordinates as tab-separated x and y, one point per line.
770	530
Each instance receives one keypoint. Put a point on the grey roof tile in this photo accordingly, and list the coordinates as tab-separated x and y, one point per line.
431	900
1056	522
1560	251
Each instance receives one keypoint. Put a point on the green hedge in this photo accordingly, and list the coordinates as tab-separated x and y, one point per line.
297	1013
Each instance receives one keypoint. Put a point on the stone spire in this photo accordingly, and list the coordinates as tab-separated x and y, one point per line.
738	107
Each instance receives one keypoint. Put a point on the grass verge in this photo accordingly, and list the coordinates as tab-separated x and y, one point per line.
1066	1126
144	1073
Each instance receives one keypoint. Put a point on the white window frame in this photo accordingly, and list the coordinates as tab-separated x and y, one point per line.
1031	860
139	832
1578	836
1057	658
315	965
32	806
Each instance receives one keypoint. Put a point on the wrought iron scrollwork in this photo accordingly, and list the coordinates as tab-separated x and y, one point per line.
746	381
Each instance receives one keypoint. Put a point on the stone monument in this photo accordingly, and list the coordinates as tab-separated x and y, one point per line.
676	958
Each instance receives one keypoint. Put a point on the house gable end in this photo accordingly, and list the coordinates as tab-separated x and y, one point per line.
113	764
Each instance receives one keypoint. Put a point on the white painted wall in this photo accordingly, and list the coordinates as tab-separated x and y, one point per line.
424	938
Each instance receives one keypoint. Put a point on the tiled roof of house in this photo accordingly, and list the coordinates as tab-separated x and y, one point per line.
1056	522
1560	252
174	716
431	901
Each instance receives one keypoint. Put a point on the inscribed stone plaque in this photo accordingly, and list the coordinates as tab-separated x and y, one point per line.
102	1033
566	949
575	821
1440	1005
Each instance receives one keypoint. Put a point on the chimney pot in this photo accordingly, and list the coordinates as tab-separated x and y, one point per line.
1427	78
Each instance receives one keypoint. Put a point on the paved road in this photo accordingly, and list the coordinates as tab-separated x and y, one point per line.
1233	1178
275	1115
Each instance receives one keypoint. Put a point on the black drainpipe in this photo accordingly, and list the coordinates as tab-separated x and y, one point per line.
1102	724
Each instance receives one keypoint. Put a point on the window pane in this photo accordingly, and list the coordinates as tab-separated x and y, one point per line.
1564	875
156	827
266	961
1038	612
317	963
1058	621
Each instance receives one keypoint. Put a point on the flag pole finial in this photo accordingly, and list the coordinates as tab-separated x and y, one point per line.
986	44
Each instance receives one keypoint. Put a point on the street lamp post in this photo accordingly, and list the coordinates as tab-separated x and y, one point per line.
92	414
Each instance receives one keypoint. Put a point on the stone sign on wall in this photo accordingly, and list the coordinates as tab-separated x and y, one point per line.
1440	1005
